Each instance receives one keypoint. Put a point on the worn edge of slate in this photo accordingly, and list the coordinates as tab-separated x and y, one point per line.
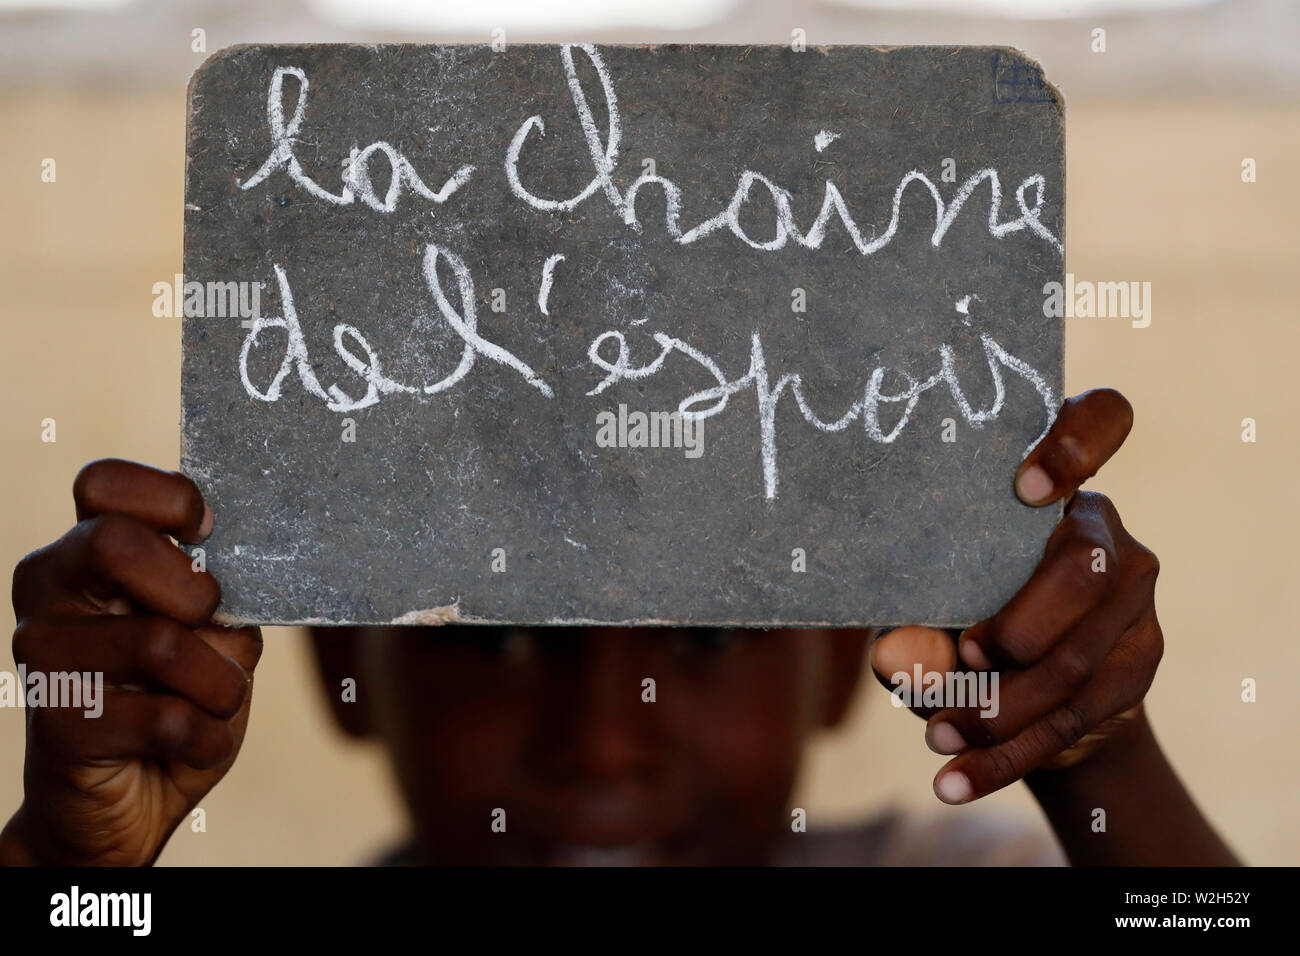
451	613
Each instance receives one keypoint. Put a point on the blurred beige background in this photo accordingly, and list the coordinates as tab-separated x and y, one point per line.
1154	194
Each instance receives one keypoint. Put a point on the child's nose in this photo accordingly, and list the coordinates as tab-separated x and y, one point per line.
603	728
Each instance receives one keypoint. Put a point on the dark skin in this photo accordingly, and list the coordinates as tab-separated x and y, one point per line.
550	725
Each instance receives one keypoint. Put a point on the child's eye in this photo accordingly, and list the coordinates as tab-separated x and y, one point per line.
510	643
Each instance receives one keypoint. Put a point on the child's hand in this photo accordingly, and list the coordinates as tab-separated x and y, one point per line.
114	595
1075	649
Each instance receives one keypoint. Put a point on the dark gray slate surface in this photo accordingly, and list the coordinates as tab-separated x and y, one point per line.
404	519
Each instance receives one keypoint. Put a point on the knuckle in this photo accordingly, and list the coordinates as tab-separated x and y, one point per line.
1065	726
1015	638
1085	522
1151	647
26	637
982	731
1088	567
109	540
1157	645
84	484
1087	508
22	578
175	726
1145	563
1106	508
158	647
1071	666
1002	764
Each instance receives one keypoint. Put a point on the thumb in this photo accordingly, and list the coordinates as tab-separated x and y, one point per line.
896	654
1088	430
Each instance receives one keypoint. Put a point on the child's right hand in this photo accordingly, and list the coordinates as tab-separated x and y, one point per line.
114	595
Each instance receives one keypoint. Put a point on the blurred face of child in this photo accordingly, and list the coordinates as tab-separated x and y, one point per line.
601	745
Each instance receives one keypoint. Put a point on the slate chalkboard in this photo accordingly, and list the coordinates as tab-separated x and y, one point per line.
660	334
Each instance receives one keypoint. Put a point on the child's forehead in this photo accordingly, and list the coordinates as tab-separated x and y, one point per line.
568	639
542	634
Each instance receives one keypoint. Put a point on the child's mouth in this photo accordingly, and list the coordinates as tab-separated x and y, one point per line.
570	855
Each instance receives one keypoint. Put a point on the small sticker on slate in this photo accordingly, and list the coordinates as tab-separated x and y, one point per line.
627	334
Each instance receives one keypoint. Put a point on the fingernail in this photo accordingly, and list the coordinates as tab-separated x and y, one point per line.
1034	485
974	656
205	526
952	787
944	738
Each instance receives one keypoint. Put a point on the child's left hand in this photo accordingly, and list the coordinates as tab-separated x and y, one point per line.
1076	648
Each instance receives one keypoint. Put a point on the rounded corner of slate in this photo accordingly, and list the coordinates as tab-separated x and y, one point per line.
217	62
1045	91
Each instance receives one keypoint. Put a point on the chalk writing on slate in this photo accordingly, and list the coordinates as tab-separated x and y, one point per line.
658	334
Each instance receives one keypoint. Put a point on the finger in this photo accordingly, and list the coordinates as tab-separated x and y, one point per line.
133	726
105	558
1088	430
152	652
897	654
163	500
243	645
1077	574
1120	684
1020	698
